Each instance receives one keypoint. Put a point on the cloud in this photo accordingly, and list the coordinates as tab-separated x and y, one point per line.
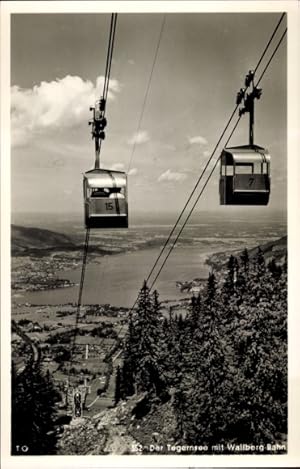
197	139
131	62
172	176
139	137
132	172
62	103
206	153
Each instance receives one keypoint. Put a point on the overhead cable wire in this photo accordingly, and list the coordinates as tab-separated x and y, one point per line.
147	92
271	58
270	40
86	245
108	53
190	196
110	48
209	160
208	178
83	269
192	209
198	197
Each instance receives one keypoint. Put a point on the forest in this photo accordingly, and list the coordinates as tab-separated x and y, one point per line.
221	366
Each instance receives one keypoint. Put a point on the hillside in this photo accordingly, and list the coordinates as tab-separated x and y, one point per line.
276	250
25	240
236	333
38	242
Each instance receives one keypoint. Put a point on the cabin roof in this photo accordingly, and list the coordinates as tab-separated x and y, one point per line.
247	154
105	178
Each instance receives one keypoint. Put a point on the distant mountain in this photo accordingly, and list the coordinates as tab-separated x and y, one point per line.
25	240
276	250
38	242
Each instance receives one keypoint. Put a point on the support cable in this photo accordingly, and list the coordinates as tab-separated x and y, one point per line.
147	92
198	197
209	160
109	54
192	209
208	178
271	58
191	195
111	40
176	239
83	269
270	40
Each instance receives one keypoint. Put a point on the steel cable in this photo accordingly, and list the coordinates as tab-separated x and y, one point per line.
210	174
198	197
209	160
147	92
82	277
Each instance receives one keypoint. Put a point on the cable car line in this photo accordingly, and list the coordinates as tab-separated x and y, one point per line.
271	58
209	176
270	40
112	32
147	91
99	122
111	41
79	302
192	209
198	197
183	226
208	162
98	139
190	196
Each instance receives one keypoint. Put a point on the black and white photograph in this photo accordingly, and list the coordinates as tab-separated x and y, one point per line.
148	265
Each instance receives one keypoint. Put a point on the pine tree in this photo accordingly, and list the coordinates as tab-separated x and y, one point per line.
209	390
194	314
259	262
127	381
146	326
231	276
143	349
245	260
118	386
259	340
33	412
237	391
211	287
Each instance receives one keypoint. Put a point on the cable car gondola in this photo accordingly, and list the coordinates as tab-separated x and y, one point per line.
105	199
245	170
104	190
245	176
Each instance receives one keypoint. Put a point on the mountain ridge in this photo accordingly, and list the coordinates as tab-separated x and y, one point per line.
26	239
276	250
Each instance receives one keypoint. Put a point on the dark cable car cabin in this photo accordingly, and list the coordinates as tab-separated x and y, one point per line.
105	199
245	176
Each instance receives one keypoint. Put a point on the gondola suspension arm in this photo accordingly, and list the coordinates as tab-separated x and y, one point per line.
99	121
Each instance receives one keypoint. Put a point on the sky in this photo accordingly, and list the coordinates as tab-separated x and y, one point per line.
57	67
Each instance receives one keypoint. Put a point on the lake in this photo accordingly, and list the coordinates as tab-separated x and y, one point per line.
116	279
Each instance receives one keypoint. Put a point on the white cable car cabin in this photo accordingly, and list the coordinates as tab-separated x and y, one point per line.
105	199
245	176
